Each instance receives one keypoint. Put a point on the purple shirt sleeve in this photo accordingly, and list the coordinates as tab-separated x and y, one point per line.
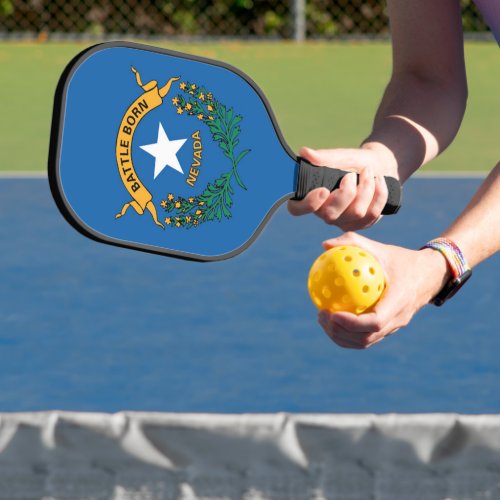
490	9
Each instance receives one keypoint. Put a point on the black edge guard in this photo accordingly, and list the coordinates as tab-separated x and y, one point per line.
311	177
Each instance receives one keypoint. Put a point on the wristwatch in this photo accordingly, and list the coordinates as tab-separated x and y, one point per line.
460	270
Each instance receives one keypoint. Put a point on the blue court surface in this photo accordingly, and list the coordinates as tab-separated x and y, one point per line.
90	327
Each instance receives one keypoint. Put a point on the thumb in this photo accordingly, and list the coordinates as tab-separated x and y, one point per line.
349	238
349	158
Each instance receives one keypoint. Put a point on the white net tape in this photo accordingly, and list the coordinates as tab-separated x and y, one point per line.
160	456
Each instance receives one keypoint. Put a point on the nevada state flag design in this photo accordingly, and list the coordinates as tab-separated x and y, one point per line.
167	153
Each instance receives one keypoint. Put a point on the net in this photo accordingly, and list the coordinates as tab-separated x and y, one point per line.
207	18
159	456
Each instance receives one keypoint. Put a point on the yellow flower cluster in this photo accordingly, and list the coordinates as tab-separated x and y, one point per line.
194	91
177	221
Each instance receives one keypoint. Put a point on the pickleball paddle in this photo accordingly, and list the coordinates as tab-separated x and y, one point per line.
171	153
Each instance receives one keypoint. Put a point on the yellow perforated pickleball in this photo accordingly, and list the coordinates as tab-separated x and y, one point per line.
346	278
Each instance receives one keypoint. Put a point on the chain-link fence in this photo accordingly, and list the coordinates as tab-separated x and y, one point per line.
206	18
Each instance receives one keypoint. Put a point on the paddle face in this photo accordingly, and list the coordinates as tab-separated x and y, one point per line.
164	152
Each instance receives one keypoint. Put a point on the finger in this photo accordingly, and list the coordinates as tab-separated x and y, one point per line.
380	196
338	334
374	342
348	338
362	324
384	318
348	238
338	201
366	208
362	340
311	203
359	341
373	339
365	191
353	341
341	340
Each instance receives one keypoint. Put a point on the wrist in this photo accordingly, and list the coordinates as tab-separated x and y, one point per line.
386	157
437	272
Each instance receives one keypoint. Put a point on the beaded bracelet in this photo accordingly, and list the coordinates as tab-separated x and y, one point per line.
459	267
452	254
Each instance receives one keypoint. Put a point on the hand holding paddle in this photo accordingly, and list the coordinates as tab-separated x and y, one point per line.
360	199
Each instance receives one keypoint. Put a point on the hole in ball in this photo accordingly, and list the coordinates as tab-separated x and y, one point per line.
366	289
356	273
346	299
348	258
372	270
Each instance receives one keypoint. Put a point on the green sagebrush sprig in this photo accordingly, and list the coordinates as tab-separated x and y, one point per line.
216	200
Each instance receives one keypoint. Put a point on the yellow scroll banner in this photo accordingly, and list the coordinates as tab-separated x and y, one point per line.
150	99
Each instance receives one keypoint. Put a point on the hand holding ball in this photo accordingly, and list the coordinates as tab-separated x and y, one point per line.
346	278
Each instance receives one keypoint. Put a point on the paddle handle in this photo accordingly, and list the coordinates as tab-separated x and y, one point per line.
311	177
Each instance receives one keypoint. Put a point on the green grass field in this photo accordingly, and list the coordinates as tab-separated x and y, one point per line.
323	94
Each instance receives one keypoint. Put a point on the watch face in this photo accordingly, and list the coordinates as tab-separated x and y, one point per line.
451	288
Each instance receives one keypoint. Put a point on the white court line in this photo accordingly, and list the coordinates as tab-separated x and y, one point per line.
23	174
454	174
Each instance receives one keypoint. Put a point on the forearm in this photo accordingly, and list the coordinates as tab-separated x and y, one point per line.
477	230
424	103
416	120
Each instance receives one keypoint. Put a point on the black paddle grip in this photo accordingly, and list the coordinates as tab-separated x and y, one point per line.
311	177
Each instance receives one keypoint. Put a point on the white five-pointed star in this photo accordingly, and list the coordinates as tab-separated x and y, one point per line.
165	152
